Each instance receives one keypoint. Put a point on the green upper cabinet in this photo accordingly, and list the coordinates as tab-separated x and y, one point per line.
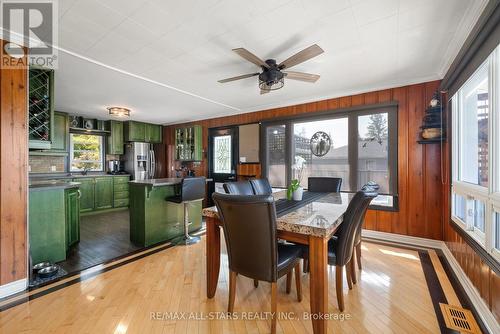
115	139
142	132
103	193
72	197
135	131
153	133
41	108
60	132
87	194
188	143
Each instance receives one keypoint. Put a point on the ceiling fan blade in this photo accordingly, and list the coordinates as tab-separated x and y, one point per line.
244	76
308	77
301	56
244	53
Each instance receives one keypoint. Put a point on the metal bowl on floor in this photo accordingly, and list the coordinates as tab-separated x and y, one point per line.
48	271
40	266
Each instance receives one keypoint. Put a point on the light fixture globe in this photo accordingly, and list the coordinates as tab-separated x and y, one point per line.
119	111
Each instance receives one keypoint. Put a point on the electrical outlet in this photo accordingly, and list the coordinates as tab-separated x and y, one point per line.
53	168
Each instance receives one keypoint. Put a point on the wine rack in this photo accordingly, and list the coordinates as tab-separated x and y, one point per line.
41	108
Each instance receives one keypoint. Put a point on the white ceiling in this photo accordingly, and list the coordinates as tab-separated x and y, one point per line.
163	58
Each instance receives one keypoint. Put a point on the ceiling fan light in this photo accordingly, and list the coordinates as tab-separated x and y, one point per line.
272	85
119	111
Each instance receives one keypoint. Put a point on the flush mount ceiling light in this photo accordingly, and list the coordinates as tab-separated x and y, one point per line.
119	111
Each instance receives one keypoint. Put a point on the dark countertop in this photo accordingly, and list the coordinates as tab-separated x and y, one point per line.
171	181
51	185
59	176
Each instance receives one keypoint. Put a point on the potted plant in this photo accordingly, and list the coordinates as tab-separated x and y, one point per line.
295	190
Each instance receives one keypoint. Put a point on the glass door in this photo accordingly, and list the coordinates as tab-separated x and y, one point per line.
222	157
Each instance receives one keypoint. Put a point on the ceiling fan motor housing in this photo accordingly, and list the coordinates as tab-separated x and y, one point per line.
271	78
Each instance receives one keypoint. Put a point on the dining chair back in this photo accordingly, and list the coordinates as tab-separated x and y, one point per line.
261	186
238	188
324	184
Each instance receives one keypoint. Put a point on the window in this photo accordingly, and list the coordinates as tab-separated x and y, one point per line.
476	155
373	150
357	145
497	231
222	154
86	153
334	163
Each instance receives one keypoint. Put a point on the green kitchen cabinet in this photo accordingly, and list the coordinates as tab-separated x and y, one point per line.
60	132
153	133
47	225
72	198
103	193
189	143
115	139
120	191
135	131
87	194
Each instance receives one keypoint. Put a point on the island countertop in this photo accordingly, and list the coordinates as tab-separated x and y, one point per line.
169	181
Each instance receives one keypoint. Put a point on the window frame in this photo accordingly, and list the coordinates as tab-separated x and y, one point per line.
490	195
102	155
352	114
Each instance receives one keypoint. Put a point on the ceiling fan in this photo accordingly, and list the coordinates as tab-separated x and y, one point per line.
272	76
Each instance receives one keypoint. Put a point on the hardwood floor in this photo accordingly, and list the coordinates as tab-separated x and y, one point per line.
103	237
391	296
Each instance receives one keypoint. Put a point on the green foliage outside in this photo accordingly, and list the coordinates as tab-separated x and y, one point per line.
87	153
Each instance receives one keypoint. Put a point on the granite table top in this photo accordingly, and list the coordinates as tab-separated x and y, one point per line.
319	218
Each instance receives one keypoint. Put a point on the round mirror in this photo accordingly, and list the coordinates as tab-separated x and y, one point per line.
320	143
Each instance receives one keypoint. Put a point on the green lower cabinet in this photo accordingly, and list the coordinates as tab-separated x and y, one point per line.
87	194
47	226
103	193
154	220
72	217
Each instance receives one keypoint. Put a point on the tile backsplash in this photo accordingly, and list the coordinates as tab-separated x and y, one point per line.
46	163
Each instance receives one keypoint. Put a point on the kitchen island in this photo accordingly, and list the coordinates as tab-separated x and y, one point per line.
152	218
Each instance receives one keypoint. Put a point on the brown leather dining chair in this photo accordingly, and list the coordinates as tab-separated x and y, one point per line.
324	184
261	186
252	247
238	188
340	248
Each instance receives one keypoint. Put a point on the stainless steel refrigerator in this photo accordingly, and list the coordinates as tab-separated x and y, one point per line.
140	160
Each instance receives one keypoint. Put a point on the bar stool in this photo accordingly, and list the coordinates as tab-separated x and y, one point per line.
192	189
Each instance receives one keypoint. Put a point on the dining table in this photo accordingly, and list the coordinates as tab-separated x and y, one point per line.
311	221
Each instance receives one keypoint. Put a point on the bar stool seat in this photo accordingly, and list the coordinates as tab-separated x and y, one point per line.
192	189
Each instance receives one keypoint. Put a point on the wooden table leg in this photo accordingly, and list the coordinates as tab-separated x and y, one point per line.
318	264
213	255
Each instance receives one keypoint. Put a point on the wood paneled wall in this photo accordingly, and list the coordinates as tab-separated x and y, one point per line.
486	281
13	173
419	166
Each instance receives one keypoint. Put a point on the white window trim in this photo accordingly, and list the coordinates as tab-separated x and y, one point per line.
489	195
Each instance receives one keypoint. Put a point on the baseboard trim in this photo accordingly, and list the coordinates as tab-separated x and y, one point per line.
403	239
482	309
13	287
